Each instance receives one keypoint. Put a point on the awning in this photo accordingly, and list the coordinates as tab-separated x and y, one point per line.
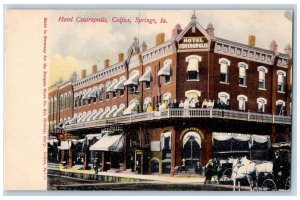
93	93
119	112
109	142
91	136
111	88
86	95
65	145
162	140
192	135
119	85
98	115
193	65
102	116
165	71
91	116
133	80
73	120
146	77
111	112
85	117
130	108
81	118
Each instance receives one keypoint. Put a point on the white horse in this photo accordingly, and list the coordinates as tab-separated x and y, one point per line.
243	168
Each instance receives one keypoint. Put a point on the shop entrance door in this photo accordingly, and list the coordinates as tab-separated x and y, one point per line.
191	153
138	168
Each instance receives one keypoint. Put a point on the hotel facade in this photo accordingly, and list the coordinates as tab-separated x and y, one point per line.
188	99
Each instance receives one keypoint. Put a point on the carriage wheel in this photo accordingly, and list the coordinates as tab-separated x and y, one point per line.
288	183
269	185
226	175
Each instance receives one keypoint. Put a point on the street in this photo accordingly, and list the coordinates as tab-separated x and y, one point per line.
67	183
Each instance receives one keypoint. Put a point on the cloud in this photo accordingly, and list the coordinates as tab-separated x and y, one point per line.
90	43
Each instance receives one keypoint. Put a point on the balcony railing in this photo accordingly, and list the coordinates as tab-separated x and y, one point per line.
185	114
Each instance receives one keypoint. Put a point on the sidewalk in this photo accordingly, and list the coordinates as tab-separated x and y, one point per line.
161	178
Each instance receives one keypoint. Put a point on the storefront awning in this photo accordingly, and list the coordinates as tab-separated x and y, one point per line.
109	142
65	145
98	115
85	117
165	71
91	136
93	93
130	108
133	80
73	120
191	135
119	112
119	85
146	77
193	65
111	88
91	116
103	115
80	118
111	112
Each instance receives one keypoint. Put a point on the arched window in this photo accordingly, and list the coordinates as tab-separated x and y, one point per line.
224	97
191	148
100	92
224	63
280	107
242	73
193	67
261	102
55	105
166	145
262	77
280	80
242	99
65	101
165	71
106	89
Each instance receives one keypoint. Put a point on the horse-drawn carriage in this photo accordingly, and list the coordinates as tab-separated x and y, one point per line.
266	175
280	176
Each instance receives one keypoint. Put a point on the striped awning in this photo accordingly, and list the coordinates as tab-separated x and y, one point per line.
93	93
119	112
165	71
109	142
111	88
146	77
119	85
133	80
130	108
111	112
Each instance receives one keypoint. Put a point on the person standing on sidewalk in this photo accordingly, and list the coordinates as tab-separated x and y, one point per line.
208	171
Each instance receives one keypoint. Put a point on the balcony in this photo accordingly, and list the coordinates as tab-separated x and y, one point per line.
184	114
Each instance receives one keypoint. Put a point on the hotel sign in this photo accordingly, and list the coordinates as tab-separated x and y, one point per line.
193	43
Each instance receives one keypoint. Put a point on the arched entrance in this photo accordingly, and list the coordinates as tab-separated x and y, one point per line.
191	149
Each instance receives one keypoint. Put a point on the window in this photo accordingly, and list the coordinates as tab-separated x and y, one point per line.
121	92
61	103
65	101
223	96
262	77
133	89
261	104
147	85
242	99
106	92
114	94
193	67
166	145
167	79
224	63
280	107
83	100
69	103
280	81
100	93
242	73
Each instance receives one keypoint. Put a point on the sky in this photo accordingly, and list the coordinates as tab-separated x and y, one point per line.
75	46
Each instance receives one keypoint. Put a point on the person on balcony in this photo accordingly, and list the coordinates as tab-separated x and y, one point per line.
228	105
181	105
209	104
217	105
149	108
192	103
186	104
204	104
175	104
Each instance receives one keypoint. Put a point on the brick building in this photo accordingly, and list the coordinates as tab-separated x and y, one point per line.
231	99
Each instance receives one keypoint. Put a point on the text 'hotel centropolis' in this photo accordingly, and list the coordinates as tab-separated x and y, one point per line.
193	97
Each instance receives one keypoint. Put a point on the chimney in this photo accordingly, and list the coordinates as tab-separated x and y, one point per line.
176	31
160	38
251	40
106	63
83	73
273	46
74	77
94	69
210	30
121	57
288	50
143	46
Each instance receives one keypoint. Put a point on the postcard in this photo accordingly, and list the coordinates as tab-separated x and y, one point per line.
148	100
